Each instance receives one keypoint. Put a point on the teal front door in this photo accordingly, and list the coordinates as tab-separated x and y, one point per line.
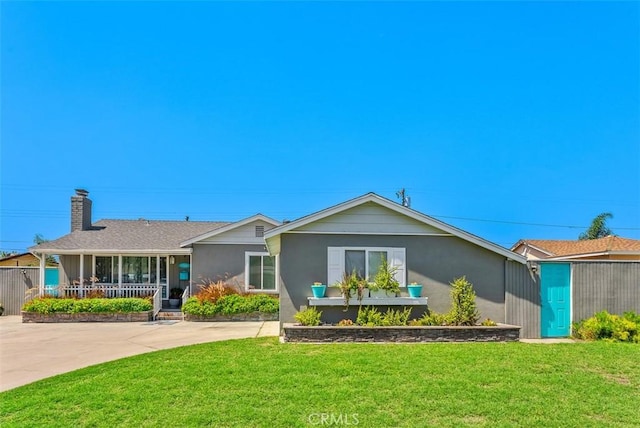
555	297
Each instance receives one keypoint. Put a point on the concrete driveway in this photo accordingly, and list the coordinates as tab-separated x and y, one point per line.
29	352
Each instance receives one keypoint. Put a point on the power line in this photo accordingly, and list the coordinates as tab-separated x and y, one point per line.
526	223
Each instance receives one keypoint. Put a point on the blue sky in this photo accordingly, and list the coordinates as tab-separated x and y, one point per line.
506	119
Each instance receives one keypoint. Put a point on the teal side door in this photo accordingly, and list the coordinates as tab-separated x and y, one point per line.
555	297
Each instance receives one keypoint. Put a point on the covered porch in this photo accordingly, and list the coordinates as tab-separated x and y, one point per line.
109	274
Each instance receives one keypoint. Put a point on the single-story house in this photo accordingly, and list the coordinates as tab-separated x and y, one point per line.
264	255
355	234
150	254
607	248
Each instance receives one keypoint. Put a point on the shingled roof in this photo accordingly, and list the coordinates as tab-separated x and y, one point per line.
121	236
561	248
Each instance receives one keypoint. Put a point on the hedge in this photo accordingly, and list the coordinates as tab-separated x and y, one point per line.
73	306
609	327
232	304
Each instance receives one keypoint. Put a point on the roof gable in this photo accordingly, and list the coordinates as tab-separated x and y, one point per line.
339	219
241	232
370	217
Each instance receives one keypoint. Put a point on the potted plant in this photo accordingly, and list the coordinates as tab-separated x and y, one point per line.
386	285
414	289
175	294
351	286
318	289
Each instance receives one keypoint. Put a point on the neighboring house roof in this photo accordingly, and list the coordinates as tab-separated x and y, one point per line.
576	248
24	259
229	227
129	236
384	202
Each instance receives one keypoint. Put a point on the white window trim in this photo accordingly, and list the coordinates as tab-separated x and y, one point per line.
247	255
338	265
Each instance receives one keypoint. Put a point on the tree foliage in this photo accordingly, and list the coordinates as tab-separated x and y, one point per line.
39	239
598	228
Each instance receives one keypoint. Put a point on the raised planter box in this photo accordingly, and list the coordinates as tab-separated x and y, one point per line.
254	316
87	317
329	333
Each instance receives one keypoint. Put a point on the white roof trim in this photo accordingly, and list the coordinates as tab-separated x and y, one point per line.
528	245
599	253
53	251
229	227
372	197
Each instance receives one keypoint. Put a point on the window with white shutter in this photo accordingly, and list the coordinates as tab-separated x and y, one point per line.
365	261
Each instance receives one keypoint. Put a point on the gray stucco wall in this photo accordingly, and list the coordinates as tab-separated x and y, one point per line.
220	261
431	260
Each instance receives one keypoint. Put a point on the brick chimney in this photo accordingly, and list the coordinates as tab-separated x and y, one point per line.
80	211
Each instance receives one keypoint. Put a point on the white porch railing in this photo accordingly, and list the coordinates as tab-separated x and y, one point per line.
157	302
185	296
107	290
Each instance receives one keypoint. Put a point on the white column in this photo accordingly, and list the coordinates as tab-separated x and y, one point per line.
158	271
190	272
82	274
119	270
43	266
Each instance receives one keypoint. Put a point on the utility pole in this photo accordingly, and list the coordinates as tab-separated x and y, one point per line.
404	198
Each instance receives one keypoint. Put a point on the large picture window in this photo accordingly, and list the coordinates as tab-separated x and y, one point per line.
260	271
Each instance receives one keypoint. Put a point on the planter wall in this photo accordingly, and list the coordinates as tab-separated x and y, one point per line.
324	334
87	317
254	316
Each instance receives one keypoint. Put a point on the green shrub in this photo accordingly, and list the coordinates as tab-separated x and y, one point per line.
72	306
310	316
489	323
431	318
463	310
369	316
606	326
396	317
232	304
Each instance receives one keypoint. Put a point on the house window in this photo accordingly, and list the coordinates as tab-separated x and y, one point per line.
135	270
260	271
106	269
365	261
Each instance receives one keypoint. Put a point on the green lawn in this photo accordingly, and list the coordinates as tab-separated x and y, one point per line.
260	382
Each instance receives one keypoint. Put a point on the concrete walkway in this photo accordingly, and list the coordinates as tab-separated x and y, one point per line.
29	352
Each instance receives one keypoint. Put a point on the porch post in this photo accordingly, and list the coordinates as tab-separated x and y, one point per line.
82	274
190	272
119	271
43	267
158	258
